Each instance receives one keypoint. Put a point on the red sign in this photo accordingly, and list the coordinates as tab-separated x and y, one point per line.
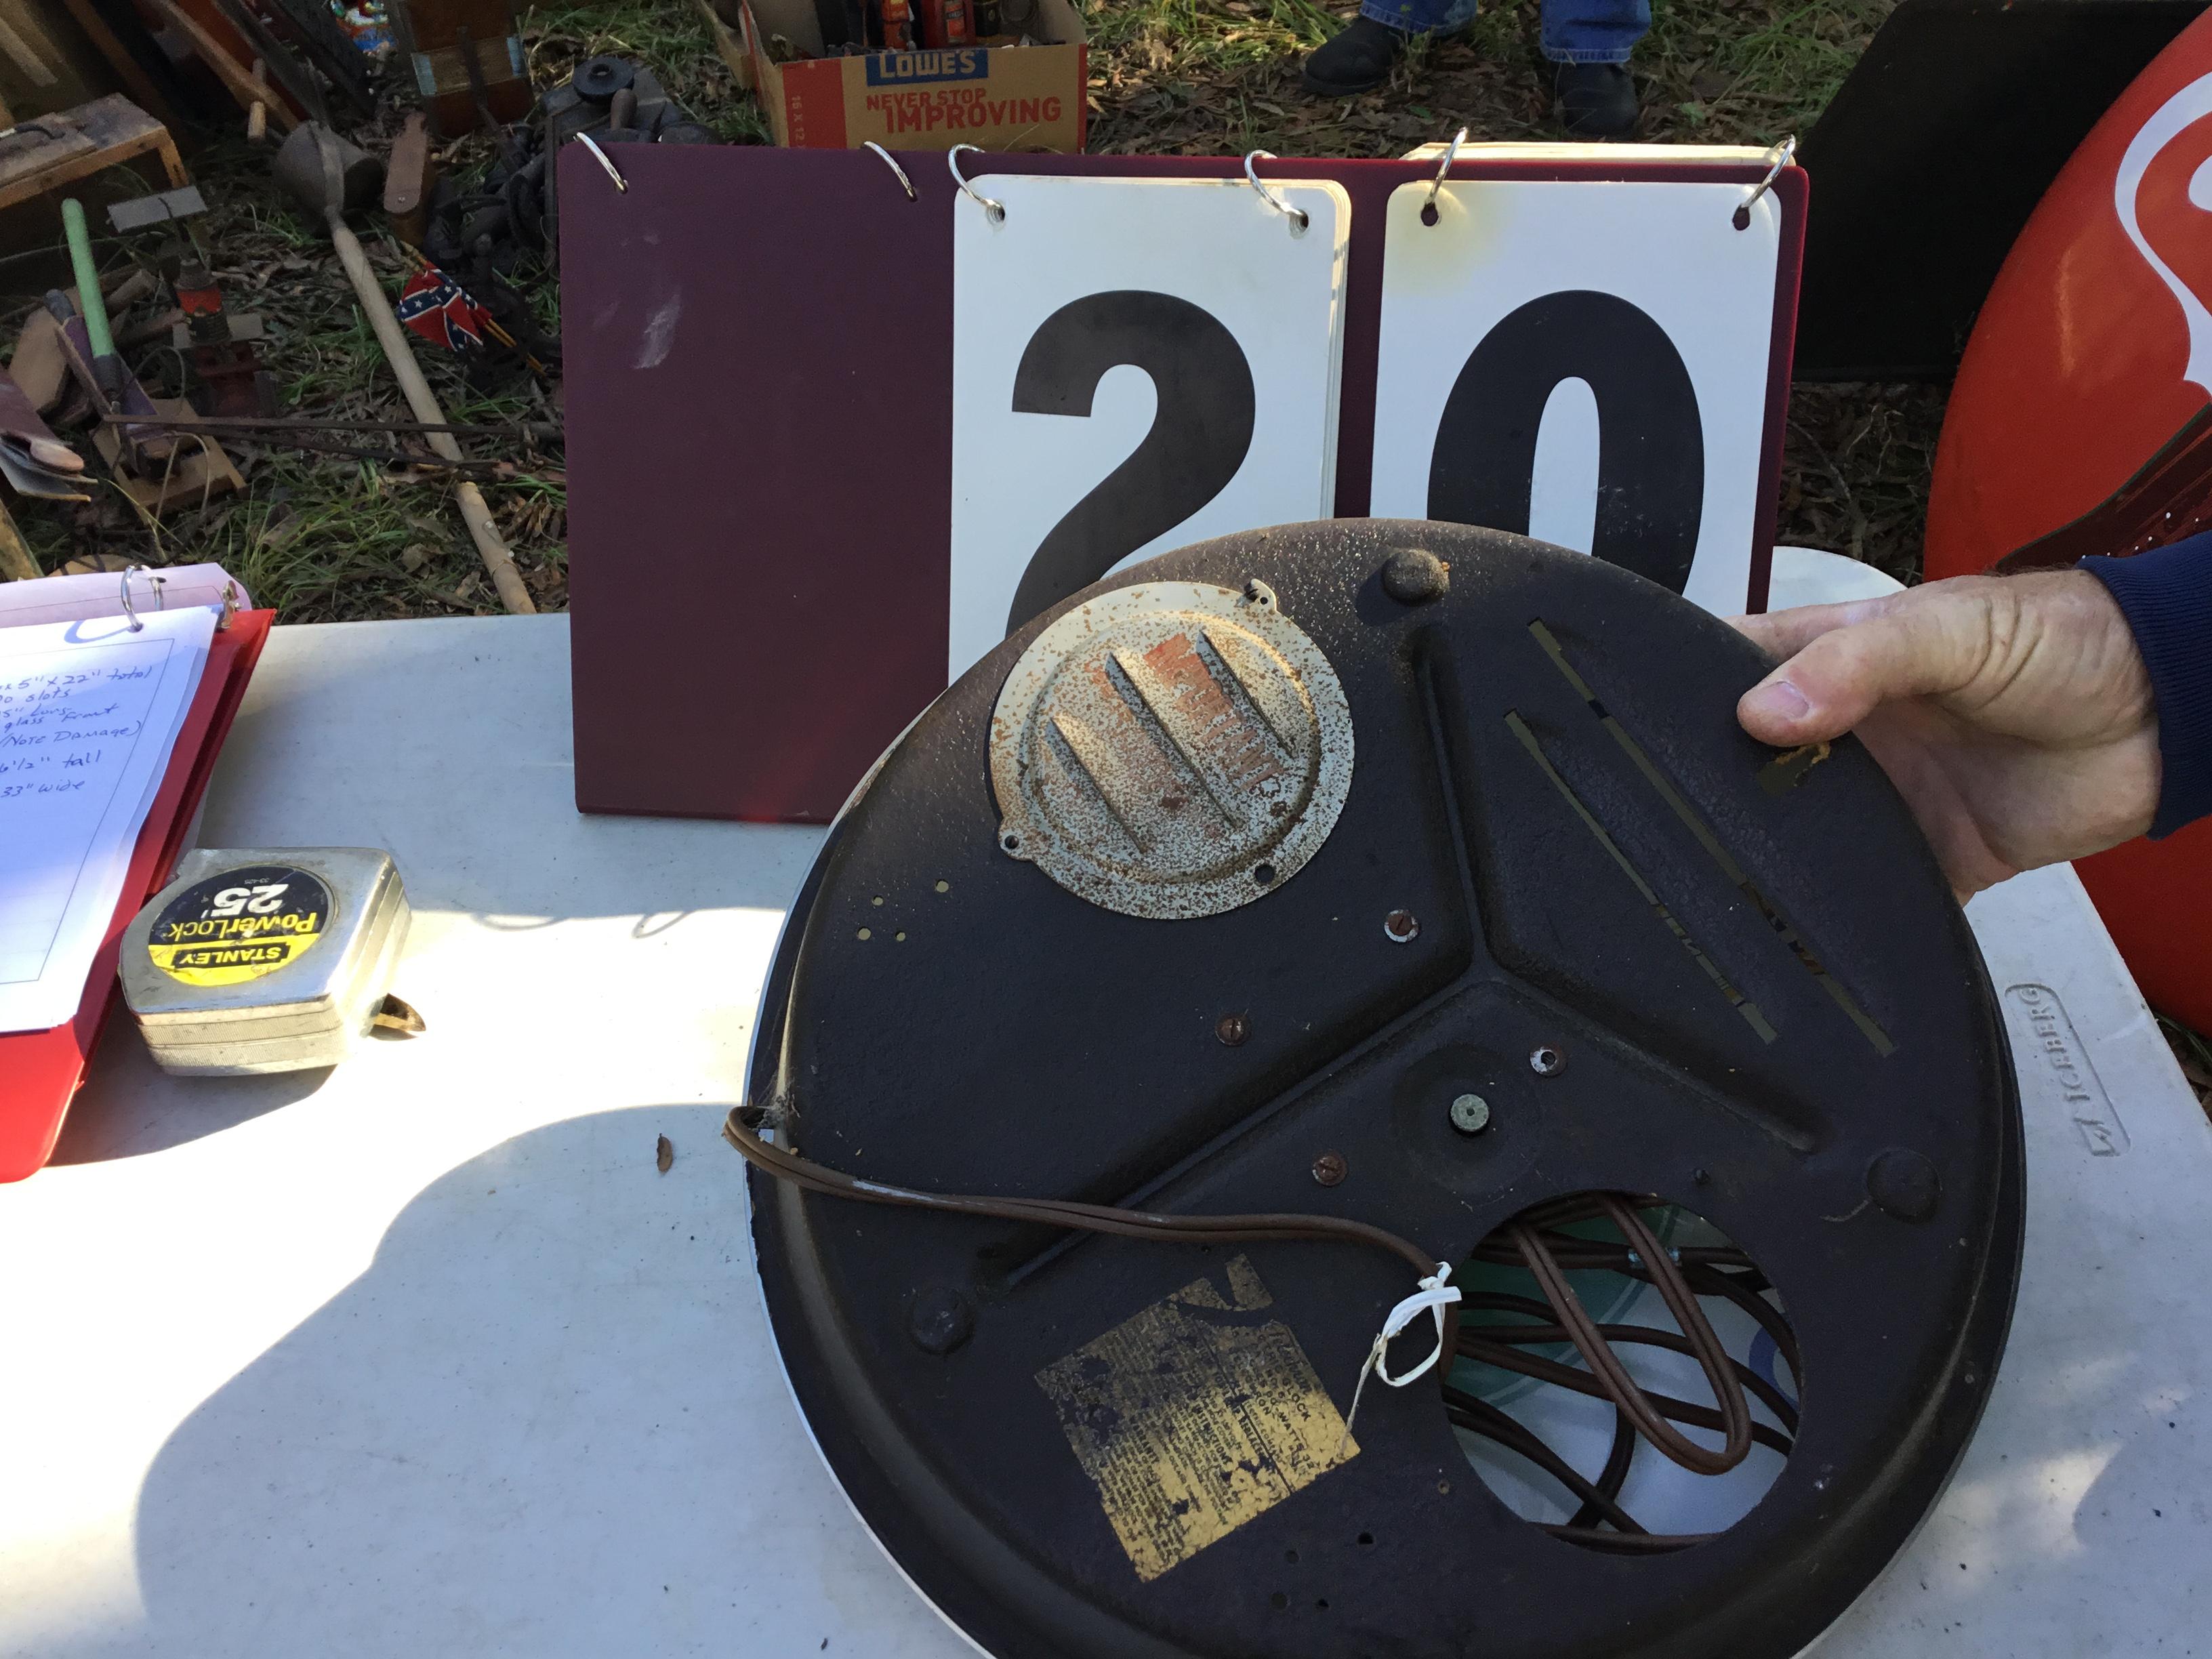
2082	420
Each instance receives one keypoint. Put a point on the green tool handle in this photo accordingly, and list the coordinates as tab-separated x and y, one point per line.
87	280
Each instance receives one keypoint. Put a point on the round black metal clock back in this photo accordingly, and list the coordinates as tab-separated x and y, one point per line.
1481	902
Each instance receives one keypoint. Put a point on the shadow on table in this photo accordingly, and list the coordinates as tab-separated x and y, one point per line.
449	743
128	1106
542	1422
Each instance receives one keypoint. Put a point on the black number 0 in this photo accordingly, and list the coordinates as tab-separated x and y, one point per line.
1651	447
1651	451
1198	440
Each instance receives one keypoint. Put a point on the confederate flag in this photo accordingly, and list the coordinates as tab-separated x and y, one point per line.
439	309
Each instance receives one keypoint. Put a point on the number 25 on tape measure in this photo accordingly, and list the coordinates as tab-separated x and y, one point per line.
1137	364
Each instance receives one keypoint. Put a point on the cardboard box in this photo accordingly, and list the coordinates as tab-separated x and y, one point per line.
1002	98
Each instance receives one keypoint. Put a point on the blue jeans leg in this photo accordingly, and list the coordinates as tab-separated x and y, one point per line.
1593	31
1575	31
1421	17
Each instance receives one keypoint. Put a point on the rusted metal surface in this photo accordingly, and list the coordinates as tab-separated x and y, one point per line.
1171	750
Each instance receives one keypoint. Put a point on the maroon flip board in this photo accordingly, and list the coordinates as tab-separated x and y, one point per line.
758	348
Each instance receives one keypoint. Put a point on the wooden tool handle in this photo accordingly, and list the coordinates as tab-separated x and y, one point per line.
17	563
393	339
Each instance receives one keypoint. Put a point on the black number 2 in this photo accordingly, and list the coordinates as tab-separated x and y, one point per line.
1198	441
1651	447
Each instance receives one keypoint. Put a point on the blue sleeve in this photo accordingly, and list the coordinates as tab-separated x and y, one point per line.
2167	597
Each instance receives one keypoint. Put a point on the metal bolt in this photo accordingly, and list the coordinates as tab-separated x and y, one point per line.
1470	1115
1232	1029
1401	927
1545	1061
1904	1184
1414	576
1328	1169
940	1320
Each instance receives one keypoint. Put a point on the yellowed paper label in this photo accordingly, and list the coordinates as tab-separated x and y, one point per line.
1193	1417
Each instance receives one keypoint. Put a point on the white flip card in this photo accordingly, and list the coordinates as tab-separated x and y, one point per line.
1137	364
1583	363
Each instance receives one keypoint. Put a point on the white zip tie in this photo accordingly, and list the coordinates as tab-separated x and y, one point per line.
1434	1297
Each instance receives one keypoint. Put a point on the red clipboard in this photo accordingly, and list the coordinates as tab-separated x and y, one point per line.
40	1071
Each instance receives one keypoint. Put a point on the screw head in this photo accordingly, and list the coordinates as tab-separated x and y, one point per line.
1401	927
1546	1061
1470	1115
1414	576
1902	1183
1232	1029
1329	1169
940	1319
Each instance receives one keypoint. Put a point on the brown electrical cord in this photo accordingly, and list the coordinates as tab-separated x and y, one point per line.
1531	1240
1545	1331
1480	1417
1056	1212
1506	1359
1615	1475
1606	1366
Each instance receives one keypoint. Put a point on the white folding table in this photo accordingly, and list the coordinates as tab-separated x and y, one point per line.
426	1356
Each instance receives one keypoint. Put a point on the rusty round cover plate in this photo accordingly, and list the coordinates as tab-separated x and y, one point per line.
1171	750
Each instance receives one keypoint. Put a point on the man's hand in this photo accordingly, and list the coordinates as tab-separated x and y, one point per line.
2013	713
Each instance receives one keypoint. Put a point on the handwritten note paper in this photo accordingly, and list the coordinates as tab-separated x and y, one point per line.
88	714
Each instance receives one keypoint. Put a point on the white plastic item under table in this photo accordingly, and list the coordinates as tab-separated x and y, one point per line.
425	1355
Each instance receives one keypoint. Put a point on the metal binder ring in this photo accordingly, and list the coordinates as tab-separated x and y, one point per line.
995	210
1296	216
905	183
1781	154
160	603
620	183
1451	155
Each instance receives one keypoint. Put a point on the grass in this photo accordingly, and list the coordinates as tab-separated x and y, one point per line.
329	539
2194	1052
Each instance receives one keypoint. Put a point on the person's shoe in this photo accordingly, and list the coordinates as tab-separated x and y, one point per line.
1357	60
1596	100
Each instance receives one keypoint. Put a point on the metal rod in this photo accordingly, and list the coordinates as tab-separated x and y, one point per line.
276	422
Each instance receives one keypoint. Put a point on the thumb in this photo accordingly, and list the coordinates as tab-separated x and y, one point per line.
1915	647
